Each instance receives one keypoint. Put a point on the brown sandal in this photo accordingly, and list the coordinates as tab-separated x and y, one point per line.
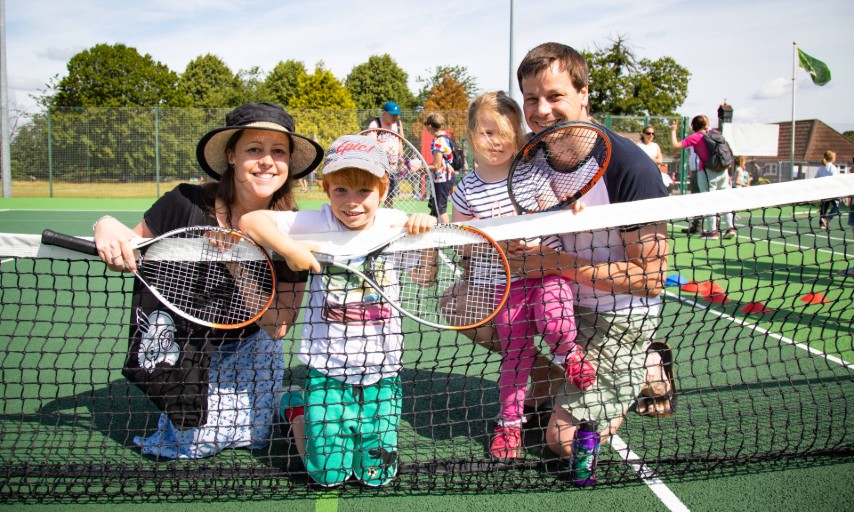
657	398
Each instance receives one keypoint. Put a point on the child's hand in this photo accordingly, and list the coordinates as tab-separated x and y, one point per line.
578	207
300	257
419	223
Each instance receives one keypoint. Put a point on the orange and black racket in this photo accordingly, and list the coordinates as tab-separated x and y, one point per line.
420	275
558	166
211	276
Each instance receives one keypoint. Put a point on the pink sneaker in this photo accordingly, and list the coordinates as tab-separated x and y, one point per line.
506	443
579	372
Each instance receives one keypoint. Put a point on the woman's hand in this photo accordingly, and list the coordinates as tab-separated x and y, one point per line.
113	241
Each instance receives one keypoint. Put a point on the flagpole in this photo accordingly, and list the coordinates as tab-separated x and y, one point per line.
794	74
511	73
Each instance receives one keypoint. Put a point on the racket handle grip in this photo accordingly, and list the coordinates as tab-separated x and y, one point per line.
82	245
323	258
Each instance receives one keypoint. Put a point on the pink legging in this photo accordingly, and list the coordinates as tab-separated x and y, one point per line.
535	306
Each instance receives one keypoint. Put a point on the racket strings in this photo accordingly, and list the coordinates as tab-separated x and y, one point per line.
557	167
453	277
217	281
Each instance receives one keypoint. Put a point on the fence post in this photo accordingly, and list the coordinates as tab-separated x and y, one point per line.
682	152
157	148
49	154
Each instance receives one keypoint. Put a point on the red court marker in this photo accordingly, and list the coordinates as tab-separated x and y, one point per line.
719	298
755	308
691	287
703	288
814	298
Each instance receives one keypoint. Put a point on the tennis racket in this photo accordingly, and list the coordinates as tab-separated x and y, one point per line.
418	275
412	179
558	166
211	276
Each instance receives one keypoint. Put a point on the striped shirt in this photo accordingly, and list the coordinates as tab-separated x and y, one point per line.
480	199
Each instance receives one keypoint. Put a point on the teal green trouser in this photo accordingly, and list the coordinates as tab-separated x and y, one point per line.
351	430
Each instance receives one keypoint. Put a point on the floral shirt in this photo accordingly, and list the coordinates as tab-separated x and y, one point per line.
441	144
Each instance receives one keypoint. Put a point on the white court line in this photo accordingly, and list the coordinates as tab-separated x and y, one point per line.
668	497
774	241
754	327
656	485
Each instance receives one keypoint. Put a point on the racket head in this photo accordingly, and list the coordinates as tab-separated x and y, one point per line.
212	276
452	277
558	166
413	180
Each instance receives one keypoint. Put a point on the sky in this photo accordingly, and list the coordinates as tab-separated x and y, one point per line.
738	51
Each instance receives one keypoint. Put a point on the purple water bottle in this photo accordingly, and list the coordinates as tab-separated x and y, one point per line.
585	454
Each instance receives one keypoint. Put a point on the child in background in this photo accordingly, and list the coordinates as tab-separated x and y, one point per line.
345	422
829	208
540	305
742	177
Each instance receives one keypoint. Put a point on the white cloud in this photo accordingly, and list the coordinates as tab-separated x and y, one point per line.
62	55
773	89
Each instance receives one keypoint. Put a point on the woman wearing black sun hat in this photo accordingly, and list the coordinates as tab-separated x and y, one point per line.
216	389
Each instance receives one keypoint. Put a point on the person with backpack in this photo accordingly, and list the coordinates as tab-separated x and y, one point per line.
715	157
442	167
389	120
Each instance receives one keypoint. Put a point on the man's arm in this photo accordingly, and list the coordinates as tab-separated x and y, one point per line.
642	274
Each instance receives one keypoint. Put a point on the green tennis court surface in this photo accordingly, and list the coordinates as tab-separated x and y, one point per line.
751	388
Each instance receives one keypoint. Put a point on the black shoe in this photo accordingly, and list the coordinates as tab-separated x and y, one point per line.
690	231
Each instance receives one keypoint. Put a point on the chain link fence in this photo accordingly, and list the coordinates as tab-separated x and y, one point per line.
143	152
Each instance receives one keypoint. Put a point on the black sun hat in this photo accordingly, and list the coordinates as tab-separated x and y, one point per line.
210	152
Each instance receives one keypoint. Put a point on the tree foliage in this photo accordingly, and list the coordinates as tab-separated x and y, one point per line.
449	97
448	94
282	83
252	86
209	82
319	92
620	84
378	80
459	74
117	76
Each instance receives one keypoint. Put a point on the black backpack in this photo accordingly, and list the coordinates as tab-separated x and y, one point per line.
720	154
457	156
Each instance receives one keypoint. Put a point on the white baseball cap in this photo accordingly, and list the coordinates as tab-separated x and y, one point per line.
356	152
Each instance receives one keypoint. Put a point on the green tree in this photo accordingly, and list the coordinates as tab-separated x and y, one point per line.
117	76
378	80
209	83
459	74
327	108
620	84
449	97
282	82
321	90
252	86
849	135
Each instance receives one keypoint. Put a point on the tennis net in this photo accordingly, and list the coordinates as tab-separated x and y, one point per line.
759	328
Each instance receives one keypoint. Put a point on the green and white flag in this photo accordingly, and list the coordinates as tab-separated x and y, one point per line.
817	69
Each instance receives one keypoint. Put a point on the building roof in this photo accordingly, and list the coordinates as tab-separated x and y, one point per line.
812	139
